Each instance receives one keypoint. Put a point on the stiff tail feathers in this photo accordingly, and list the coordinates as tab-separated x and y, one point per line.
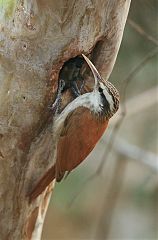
48	177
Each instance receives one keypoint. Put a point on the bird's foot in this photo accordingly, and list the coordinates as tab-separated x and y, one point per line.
55	107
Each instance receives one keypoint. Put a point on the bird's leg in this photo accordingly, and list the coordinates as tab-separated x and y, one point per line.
56	105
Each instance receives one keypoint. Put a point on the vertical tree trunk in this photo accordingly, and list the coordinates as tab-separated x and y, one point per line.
36	38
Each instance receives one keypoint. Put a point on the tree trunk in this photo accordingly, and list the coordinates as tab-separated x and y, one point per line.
36	38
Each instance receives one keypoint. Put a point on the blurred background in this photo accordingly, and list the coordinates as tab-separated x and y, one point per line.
114	193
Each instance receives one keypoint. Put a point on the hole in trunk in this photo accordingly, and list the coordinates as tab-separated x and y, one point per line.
71	73
75	78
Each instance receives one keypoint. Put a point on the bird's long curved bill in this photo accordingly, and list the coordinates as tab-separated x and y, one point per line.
95	72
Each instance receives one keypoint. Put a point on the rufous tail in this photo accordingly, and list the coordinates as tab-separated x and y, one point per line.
42	184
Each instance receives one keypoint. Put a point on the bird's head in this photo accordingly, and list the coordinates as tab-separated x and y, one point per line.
109	94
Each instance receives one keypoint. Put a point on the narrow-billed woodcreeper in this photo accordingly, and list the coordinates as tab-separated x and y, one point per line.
79	127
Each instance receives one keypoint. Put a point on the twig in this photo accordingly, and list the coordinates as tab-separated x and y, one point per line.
138	103
141	31
133	73
124	149
110	198
134	152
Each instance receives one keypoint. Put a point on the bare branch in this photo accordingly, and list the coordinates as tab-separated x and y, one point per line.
110	198
134	152
141	31
138	104
133	73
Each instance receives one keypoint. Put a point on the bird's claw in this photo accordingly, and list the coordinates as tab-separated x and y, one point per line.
55	107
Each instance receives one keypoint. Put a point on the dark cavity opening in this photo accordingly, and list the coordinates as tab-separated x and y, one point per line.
76	73
71	71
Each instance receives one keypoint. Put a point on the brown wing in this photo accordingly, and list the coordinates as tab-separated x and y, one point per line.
79	136
81	132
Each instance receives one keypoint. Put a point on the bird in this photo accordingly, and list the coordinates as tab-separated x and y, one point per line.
78	128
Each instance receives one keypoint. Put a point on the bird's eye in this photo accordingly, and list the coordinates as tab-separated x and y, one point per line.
100	89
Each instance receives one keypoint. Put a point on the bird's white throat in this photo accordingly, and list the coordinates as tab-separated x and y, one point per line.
91	100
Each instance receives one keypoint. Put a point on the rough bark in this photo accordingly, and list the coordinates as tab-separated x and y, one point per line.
36	38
